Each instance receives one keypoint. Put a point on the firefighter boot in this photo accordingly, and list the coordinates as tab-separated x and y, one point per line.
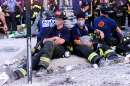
44	62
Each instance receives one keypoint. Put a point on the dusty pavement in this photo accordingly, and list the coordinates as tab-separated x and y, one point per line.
72	71
75	71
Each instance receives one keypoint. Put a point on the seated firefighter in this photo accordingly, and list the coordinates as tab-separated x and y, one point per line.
54	46
83	46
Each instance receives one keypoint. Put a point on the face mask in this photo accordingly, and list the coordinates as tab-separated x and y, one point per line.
81	23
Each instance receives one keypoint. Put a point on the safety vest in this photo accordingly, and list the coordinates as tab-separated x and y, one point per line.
129	1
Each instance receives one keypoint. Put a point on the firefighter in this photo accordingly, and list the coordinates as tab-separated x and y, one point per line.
82	29
120	7
36	8
107	28
108	33
78	4
54	46
123	48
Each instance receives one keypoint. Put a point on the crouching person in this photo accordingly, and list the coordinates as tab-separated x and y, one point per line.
109	33
54	46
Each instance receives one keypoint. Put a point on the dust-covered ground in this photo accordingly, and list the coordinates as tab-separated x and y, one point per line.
72	71
75	71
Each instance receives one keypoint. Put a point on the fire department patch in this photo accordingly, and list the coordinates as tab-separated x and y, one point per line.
101	24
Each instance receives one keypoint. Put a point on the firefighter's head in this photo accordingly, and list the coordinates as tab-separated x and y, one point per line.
59	16
81	19
104	9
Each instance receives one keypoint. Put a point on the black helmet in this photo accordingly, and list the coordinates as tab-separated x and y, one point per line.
104	9
81	15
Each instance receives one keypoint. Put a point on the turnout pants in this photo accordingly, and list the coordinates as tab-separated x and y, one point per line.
87	53
94	57
48	52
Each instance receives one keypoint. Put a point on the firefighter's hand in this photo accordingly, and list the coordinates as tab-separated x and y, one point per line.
5	28
59	41
55	38
101	35
50	39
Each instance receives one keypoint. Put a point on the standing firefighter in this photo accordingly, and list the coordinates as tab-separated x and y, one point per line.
77	5
119	6
36	8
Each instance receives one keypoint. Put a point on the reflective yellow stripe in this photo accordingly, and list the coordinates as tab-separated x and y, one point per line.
91	56
35	14
108	51
17	16
39	7
45	59
128	12
101	52
23	71
70	48
33	50
129	0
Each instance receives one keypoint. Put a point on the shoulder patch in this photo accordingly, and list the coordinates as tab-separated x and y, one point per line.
101	24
